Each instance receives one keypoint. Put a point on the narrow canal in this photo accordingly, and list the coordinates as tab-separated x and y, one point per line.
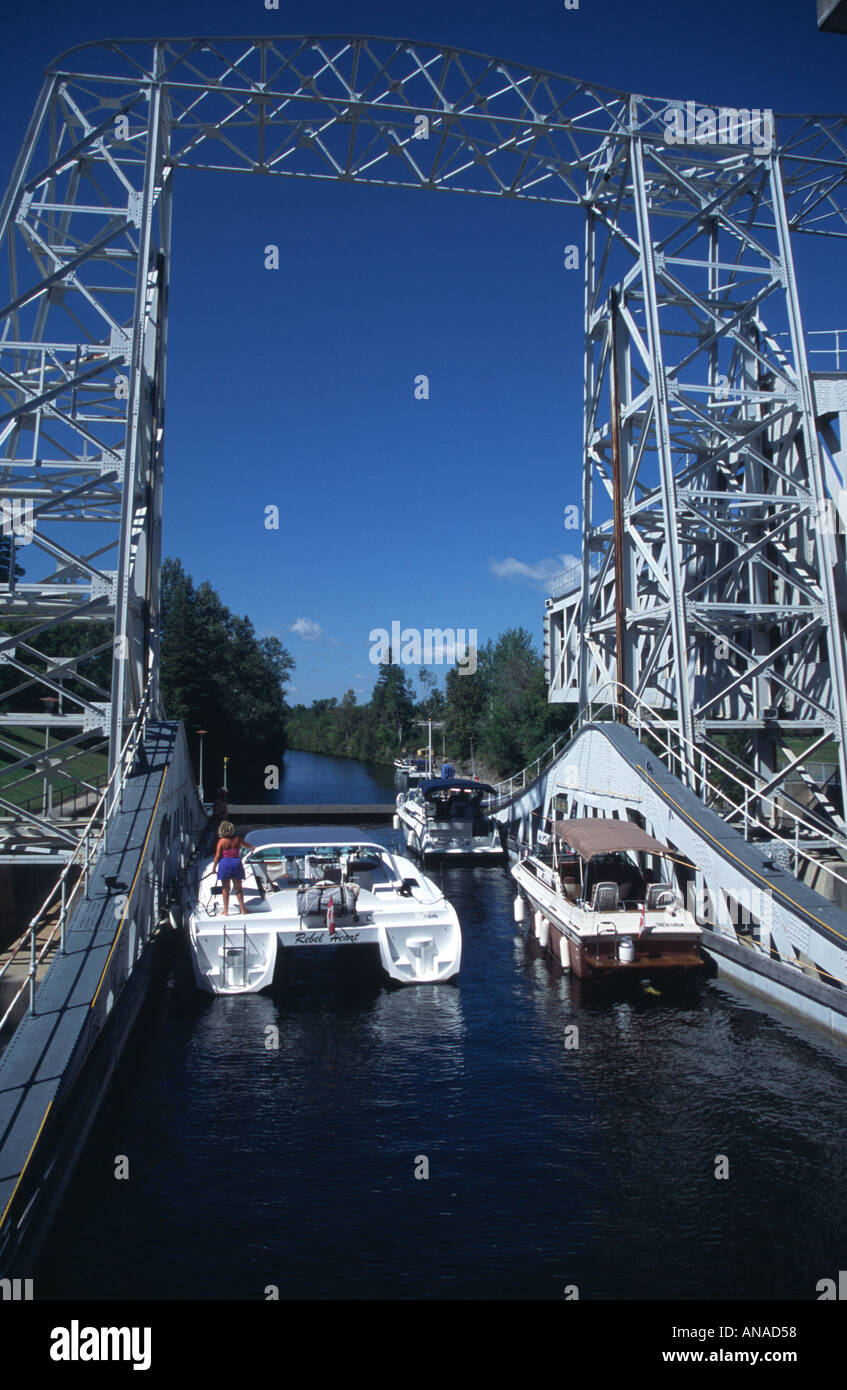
549	1164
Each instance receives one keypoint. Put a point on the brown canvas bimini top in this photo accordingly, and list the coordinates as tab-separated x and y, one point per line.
596	835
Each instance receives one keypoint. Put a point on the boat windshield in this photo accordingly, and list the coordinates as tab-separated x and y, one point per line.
286	865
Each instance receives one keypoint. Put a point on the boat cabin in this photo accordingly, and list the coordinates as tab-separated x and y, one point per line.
602	863
455	799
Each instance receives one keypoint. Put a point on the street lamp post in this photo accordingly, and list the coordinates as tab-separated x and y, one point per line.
202	733
431	724
226	765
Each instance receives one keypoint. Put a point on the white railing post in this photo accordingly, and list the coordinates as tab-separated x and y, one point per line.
796	847
32	969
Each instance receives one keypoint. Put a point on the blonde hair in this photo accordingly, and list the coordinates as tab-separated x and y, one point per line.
226	829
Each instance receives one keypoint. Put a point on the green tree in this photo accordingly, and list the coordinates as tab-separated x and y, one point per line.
392	709
218	676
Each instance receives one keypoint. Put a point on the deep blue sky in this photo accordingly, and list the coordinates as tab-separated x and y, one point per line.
296	388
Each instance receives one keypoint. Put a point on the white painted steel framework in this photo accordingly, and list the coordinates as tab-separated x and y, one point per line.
717	582
687	248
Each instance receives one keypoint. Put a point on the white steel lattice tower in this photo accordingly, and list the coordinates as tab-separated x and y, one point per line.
713	583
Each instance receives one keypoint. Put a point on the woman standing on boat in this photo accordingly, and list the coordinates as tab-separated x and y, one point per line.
228	863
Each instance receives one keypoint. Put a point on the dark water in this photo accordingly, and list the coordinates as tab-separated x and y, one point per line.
307	780
548	1165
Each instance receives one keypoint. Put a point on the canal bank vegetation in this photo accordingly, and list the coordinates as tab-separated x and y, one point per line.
218	676
496	720
215	675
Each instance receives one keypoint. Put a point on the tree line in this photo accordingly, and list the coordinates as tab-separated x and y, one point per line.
496	719
217	675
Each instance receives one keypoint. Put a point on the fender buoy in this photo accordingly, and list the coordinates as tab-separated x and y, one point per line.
520	909
396	822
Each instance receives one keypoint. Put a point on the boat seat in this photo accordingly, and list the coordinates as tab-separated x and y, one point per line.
605	897
660	895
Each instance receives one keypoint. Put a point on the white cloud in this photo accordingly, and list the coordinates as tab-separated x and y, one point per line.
309	630
540	574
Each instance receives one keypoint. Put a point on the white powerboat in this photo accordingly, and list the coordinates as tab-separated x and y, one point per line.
447	817
600	908
324	887
413	769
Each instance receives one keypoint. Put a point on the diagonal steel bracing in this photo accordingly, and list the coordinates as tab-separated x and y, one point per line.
717	451
702	457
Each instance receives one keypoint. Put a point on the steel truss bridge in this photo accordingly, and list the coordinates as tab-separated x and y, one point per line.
712	586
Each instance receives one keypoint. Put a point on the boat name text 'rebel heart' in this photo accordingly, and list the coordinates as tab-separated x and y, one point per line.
324	938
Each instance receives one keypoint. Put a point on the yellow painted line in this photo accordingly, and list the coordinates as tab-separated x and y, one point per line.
729	855
26	1165
132	889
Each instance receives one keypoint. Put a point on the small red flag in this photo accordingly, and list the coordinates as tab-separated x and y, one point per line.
641	923
330	917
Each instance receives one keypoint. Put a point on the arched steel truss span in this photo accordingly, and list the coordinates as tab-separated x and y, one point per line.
693	329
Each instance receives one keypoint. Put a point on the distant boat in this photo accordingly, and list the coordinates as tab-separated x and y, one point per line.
599	909
414	769
447	817
320	886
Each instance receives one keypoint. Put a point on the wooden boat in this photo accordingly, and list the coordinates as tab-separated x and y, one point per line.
604	903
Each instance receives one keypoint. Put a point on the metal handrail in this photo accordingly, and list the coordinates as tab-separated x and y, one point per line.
86	850
833	334
540	763
666	726
71	792
569	581
751	794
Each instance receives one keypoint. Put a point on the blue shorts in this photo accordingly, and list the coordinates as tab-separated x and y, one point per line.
230	868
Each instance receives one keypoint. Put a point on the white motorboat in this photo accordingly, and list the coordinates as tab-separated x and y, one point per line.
414	769
600	908
326	887
449	818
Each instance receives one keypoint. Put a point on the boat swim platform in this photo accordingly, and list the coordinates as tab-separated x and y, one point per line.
56	1067
368	814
